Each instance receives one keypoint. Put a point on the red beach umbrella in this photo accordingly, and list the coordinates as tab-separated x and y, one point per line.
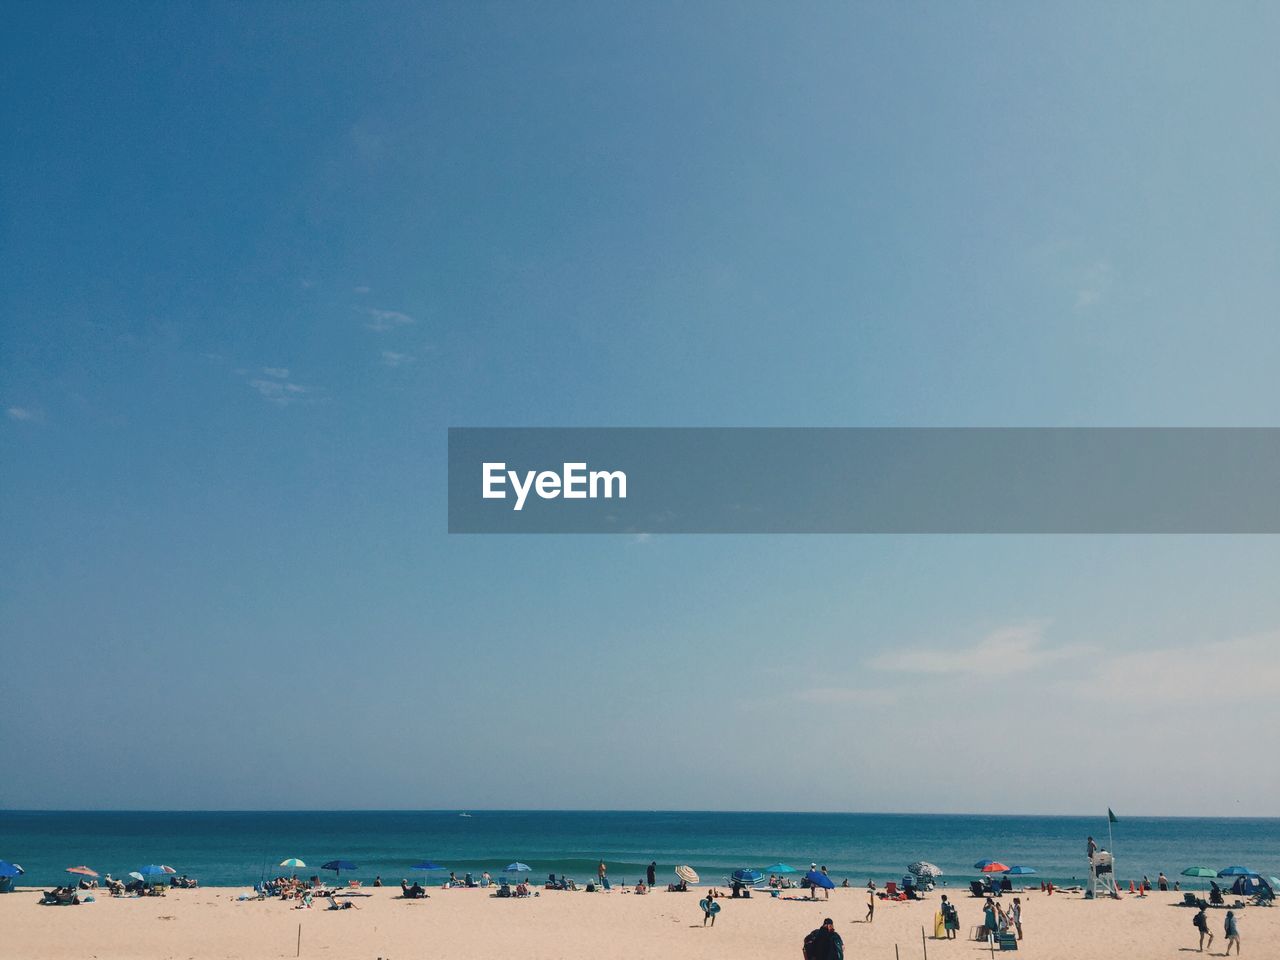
83	871
990	866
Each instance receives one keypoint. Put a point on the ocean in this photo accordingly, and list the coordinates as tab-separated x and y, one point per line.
239	848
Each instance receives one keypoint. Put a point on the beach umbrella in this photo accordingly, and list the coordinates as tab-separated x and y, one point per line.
747	877
686	873
1235	872
1019	871
167	869
426	865
153	870
780	868
135	875
337	866
293	863
83	871
819	879
990	866
1198	872
518	867
8	869
1274	881
923	869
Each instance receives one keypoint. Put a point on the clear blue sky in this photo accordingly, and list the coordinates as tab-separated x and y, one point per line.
258	257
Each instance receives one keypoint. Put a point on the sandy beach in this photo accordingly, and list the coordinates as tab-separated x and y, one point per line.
211	923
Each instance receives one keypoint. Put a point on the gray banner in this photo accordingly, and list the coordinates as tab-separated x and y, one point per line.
864	480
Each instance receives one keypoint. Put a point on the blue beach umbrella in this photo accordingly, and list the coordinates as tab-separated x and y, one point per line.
426	865
518	867
337	866
1019	871
820	879
8	869
153	872
780	868
1235	872
747	877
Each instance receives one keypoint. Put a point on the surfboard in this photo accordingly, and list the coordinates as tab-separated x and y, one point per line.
713	909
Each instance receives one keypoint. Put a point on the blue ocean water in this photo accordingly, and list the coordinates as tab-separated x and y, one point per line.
234	848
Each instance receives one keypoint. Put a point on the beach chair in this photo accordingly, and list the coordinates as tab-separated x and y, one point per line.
977	889
891	890
1006	941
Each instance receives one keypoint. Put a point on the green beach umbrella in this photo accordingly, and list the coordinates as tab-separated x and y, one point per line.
1199	872
293	863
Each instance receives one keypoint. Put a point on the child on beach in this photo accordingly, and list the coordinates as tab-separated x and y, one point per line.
950	917
1201	923
1232	931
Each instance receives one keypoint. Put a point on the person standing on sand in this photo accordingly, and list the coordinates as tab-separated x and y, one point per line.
871	905
950	918
1015	915
1232	931
601	871
1092	848
652	874
1201	923
824	943
1162	882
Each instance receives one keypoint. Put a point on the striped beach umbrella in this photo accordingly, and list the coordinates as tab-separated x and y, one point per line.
686	873
924	870
293	863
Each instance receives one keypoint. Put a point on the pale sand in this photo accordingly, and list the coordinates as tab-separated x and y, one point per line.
209	923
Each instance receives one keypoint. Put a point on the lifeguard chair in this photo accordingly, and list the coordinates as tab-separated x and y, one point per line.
1102	876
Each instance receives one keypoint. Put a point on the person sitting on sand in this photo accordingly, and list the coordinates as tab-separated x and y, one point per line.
344	905
824	943
1232	930
641	888
1201	923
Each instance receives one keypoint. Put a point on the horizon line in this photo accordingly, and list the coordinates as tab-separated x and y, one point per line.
500	810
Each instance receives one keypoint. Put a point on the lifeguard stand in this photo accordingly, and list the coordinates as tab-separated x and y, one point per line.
1102	876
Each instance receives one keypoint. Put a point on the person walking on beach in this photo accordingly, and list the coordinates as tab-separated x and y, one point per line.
871	906
652	874
950	918
824	943
710	908
1015	915
1232	931
1201	923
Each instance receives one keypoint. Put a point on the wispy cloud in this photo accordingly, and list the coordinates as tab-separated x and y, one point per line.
24	414
392	359
1012	649
837	696
360	290
1222	672
1095	284
275	386
382	320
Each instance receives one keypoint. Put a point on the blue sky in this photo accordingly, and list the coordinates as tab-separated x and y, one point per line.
259	257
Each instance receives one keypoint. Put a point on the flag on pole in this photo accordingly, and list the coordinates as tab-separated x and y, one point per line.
1111	817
